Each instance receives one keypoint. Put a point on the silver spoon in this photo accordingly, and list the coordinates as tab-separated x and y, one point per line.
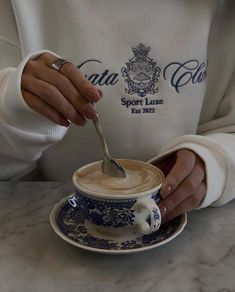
110	166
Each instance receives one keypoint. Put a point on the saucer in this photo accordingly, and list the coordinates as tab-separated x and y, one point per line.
66	222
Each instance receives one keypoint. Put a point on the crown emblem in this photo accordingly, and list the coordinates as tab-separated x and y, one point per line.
141	52
141	72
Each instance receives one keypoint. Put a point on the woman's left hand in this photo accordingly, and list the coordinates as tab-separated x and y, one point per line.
184	186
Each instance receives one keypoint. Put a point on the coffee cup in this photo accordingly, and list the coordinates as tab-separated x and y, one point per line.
118	206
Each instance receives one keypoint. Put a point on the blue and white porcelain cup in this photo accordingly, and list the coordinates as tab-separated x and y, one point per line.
118	206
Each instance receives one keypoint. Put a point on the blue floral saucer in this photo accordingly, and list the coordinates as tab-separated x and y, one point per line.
66	222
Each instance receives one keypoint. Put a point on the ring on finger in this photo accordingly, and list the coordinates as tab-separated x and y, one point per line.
58	63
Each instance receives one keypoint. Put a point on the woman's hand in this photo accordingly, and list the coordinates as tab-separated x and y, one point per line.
184	186
60	96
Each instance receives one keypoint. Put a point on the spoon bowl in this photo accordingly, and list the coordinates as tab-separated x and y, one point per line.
112	167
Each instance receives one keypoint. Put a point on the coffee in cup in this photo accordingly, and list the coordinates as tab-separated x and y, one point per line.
119	205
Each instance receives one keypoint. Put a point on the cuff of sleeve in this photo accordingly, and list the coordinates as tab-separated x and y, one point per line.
215	165
15	111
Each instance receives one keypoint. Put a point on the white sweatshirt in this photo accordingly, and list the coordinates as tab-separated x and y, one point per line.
166	70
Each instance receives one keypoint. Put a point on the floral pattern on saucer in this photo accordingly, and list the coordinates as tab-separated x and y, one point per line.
69	225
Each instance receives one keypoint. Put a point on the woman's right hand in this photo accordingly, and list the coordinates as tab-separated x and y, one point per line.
60	96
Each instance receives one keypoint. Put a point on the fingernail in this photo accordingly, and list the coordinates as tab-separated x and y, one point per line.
165	190
100	92
90	112
65	123
163	210
94	94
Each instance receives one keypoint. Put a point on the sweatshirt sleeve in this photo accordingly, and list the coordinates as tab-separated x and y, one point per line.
215	139
24	134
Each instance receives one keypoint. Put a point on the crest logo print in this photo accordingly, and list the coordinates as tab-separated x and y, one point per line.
141	73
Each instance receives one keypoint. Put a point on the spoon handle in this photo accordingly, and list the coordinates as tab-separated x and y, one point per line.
98	128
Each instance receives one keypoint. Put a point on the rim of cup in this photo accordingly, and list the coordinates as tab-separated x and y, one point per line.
112	196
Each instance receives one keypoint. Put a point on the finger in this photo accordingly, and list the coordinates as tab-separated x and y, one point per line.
188	204
83	85
55	78
67	89
188	186
166	164
185	161
44	109
50	95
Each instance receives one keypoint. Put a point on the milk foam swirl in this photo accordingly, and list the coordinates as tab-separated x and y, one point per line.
140	177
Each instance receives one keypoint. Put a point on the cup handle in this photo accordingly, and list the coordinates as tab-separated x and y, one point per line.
152	216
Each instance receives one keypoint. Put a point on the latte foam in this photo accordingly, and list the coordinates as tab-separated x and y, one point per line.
140	177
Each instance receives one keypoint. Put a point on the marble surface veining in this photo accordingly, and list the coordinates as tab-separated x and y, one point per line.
34	258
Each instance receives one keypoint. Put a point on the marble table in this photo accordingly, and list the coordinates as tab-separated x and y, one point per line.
34	258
